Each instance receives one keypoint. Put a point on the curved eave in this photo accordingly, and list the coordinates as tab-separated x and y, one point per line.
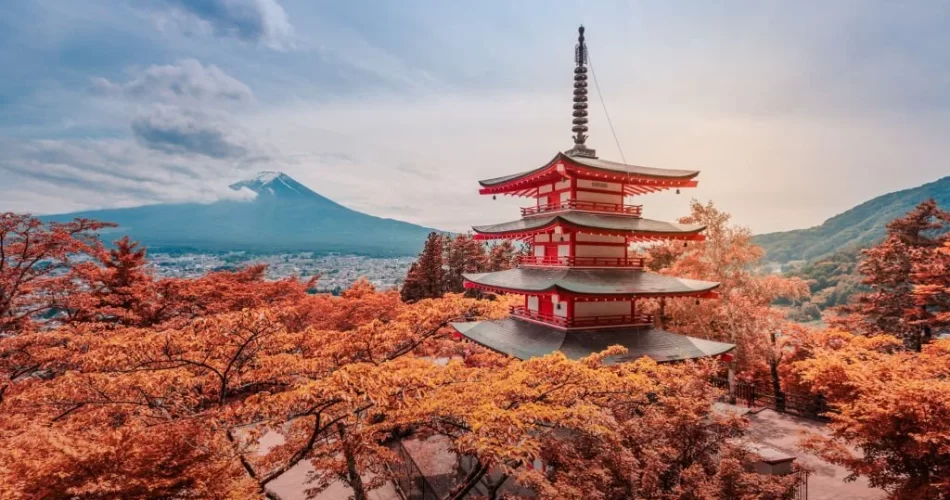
639	179
524	340
611	283
599	225
557	290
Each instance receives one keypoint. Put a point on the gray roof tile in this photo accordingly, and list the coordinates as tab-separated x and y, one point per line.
608	166
590	281
524	340
618	223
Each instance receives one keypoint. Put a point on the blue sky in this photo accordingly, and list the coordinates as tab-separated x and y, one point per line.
794	111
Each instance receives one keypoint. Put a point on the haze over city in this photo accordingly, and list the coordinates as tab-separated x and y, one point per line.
793	111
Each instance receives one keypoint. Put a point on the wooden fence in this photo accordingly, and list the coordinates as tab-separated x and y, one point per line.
410	480
801	487
802	405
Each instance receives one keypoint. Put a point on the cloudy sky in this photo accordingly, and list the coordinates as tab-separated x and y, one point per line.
793	111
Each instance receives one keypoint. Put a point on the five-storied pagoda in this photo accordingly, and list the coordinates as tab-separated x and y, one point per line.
581	283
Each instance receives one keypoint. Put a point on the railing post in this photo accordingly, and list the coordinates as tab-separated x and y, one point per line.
820	404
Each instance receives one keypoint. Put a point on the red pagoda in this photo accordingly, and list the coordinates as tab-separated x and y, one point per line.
581	282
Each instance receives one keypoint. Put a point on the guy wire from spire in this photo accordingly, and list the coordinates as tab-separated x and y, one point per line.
590	62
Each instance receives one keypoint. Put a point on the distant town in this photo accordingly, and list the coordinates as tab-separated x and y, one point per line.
336	272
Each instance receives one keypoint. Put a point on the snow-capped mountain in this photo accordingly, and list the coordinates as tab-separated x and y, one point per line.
285	215
274	184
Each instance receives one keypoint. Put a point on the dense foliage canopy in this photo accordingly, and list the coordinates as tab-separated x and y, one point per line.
117	384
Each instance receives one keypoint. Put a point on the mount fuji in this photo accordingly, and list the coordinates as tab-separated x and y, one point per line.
284	216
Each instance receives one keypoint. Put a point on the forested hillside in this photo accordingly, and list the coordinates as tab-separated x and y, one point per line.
858	227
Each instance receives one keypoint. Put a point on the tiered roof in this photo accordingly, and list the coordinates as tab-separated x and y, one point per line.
599	282
634	228
639	180
525	340
600	273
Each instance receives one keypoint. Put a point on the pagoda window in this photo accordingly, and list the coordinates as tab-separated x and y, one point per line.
612	308
600	238
532	303
539	251
560	306
564	250
565	184
607	198
560	237
599	186
542	238
600	251
547	188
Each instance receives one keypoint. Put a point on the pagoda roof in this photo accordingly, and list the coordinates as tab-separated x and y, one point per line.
524	340
595	165
590	282
616	224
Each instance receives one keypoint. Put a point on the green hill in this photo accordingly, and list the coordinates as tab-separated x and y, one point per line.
858	227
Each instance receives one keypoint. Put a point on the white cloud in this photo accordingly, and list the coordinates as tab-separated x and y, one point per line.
106	173
186	81
175	129
259	21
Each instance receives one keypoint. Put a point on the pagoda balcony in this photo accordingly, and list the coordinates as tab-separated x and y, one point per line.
587	206
582	322
566	261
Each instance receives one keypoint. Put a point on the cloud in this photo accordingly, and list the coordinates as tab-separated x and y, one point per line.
186	80
175	130
255	21
69	175
242	194
184	108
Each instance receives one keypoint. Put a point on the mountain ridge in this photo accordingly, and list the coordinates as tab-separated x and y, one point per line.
859	226
283	216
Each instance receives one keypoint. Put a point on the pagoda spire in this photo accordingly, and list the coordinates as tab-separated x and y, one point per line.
580	100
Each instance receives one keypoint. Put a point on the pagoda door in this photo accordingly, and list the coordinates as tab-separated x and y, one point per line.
550	253
546	307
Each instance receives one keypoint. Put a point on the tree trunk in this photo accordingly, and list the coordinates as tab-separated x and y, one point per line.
352	472
461	490
776	383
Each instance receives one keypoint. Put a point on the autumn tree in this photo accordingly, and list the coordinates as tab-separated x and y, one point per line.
503	256
444	260
173	402
128	395
638	430
891	422
35	258
116	287
892	270
932	289
743	314
426	277
464	254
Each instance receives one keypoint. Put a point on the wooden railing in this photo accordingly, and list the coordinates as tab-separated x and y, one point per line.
591	206
583	321
803	405
801	487
560	261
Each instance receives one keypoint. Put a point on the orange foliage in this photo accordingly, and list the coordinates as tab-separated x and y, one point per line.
743	313
34	262
907	275
140	387
892	419
639	430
